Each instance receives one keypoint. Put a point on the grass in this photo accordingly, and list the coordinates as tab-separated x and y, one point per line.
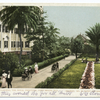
97	76
71	77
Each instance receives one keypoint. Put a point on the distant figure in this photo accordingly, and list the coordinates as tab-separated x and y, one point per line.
30	71
4	76
57	64
26	72
9	79
36	68
53	67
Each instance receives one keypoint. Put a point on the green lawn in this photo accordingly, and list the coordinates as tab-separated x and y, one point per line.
71	77
97	76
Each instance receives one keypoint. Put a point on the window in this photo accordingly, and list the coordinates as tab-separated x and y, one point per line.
26	44
22	44
3	28
0	44
16	30
12	43
5	44
17	43
6	29
0	28
11	31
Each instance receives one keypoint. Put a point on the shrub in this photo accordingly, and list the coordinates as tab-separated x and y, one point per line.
28	62
17	72
11	62
40	65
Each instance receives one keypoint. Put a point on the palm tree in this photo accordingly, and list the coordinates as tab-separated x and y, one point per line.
94	34
52	36
23	17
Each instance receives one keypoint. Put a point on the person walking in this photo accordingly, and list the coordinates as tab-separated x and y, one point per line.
36	68
9	79
4	76
30	71
57	64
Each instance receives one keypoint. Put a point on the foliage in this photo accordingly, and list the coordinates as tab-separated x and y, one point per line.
77	45
50	61
89	49
97	76
19	71
11	62
1	60
94	35
28	62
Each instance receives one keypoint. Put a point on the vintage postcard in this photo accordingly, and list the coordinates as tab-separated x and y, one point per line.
50	50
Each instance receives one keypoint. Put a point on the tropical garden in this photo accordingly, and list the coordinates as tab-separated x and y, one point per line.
50	47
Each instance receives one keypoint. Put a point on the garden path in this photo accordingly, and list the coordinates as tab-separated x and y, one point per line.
41	76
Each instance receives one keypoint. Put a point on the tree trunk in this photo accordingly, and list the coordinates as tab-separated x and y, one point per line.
20	47
97	53
76	55
43	46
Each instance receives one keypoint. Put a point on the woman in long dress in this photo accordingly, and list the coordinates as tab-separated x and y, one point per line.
36	68
4	83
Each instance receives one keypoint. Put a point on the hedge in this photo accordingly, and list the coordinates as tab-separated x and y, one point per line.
54	76
18	72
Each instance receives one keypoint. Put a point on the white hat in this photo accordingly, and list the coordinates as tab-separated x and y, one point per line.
25	67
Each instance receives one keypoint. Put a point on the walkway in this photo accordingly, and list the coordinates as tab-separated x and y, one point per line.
41	76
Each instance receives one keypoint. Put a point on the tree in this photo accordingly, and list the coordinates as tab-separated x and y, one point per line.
38	35
77	45
23	17
94	35
11	61
64	43
51	38
1	60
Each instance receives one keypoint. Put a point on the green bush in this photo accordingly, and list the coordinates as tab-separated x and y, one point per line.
28	62
0	71
50	61
40	65
17	72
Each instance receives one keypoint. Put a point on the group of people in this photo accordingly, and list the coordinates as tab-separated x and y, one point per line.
29	71
6	79
55	66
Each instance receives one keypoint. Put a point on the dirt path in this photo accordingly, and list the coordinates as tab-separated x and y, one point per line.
41	76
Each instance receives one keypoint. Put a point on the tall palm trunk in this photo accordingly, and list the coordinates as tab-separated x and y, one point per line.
97	53
19	27
43	46
76	54
20	48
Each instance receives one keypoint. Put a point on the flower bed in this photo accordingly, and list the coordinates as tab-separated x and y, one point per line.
88	81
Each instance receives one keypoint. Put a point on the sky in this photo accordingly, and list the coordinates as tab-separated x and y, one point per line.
73	20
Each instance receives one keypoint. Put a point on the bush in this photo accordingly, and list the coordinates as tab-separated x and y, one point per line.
17	72
50	61
41	64
11	62
28	62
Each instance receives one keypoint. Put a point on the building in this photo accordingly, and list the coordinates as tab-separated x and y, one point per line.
10	42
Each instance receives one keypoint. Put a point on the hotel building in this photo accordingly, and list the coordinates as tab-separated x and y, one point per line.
10	41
